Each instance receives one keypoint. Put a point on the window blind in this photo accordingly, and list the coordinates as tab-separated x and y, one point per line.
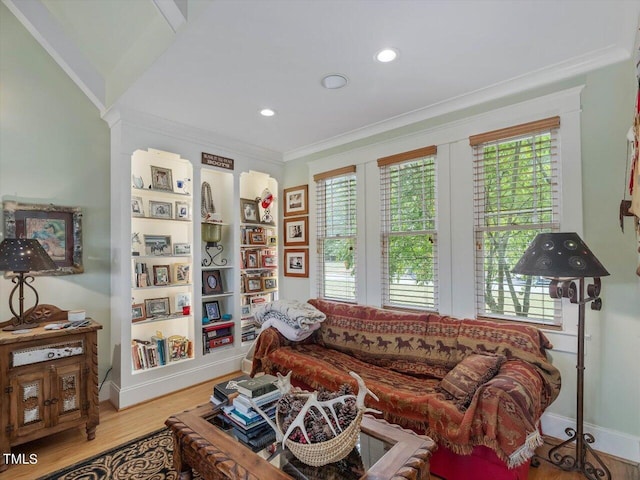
336	234
409	235
516	196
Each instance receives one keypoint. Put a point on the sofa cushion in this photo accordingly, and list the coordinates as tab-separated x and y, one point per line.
462	382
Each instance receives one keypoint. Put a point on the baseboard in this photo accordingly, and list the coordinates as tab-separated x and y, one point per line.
611	442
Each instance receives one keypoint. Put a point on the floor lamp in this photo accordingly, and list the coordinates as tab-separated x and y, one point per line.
564	257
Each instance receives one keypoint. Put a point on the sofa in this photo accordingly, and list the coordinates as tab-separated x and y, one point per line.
477	387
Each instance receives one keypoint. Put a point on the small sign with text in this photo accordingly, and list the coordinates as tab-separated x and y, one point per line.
217	161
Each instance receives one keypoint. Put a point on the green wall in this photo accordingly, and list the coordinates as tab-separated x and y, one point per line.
54	148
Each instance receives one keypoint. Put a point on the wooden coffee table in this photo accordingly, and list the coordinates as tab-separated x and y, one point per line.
216	454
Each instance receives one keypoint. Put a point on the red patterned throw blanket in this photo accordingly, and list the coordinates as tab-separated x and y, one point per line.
464	383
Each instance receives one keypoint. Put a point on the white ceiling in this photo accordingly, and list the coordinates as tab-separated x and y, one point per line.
229	59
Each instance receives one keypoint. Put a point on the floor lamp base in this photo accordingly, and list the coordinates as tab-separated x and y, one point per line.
593	470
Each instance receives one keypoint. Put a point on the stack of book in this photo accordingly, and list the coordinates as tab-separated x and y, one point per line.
248	425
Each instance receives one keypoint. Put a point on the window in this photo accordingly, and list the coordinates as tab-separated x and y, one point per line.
336	234
408	220
516	196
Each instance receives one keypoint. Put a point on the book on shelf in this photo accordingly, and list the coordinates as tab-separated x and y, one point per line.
223	390
257	386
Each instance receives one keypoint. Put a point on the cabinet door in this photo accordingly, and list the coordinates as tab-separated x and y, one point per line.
68	395
27	411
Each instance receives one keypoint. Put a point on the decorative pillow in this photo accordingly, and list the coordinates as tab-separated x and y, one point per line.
461	383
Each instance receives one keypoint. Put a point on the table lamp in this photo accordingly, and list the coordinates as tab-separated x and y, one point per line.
564	257
21	256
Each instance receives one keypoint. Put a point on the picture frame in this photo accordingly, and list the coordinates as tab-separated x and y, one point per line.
182	299
157	307
296	200
181	272
160	210
157	245
249	211
245	310
252	284
180	249
296	231
257	238
183	211
296	262
161	178
138	312
212	282
269	283
57	228
252	257
161	275
212	310
269	261
272	241
137	207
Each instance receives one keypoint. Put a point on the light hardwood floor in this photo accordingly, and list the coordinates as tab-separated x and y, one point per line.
115	428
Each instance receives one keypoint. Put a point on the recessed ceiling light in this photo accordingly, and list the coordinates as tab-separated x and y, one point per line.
267	112
387	55
334	80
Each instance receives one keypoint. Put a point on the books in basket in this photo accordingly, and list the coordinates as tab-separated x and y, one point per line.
257	386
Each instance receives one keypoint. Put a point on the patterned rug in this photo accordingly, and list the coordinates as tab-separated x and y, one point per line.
145	458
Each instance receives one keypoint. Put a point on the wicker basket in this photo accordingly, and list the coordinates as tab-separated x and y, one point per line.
333	450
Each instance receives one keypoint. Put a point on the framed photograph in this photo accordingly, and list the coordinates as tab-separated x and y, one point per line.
252	284
182	249
181	272
137	207
296	262
296	200
157	307
269	283
138	313
269	261
257	238
157	244
161	275
212	310
183	211
160	209
58	229
245	310
249	211
212	282
161	179
296	231
182	300
251	259
272	241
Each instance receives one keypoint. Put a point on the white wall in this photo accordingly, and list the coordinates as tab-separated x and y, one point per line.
54	148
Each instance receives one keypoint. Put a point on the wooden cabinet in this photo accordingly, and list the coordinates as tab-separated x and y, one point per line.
49	383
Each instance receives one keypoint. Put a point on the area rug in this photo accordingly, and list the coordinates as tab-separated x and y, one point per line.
146	458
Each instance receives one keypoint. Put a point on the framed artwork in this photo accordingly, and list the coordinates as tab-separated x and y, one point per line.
181	272
183	211
58	229
160	209
182	300
272	241
249	211
161	274
245	310
157	244
251	259
257	238
138	313
157	307
182	249
296	200
212	310
269	283
296	262
269	261
296	231
212	282
161	179
252	284
137	207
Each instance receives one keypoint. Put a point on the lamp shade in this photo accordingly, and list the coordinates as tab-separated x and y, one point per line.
24	255
560	256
